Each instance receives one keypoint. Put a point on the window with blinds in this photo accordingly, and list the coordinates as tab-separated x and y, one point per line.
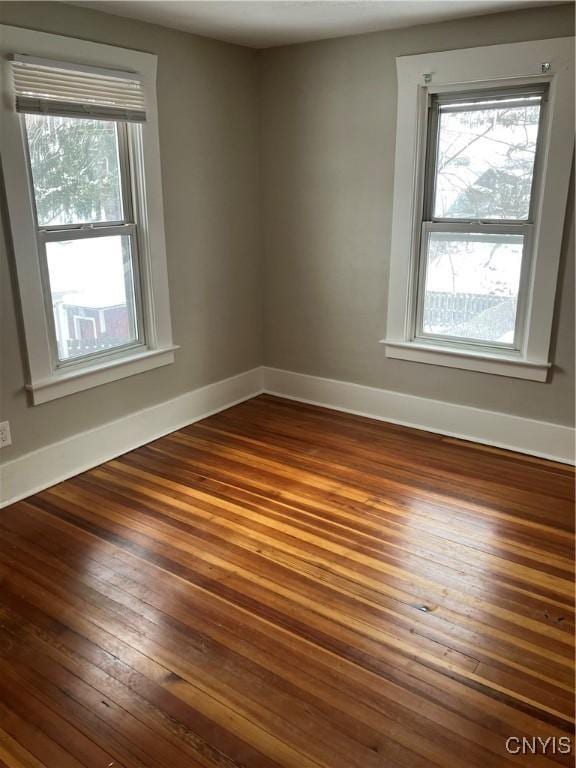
80	125
44	86
83	180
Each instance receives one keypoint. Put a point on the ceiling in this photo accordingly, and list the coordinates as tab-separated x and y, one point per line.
266	23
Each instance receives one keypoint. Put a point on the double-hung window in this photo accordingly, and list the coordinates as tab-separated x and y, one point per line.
87	234
86	220
478	216
483	157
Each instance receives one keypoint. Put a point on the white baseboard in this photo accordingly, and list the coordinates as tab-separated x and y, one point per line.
56	462
46	466
537	438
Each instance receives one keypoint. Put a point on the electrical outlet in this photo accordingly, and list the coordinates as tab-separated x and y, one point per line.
5	436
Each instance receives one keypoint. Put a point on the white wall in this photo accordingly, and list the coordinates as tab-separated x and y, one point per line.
326	129
210	168
328	126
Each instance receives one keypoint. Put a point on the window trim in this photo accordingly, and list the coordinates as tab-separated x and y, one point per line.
483	68
45	380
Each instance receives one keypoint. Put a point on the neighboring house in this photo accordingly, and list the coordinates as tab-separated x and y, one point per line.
83	329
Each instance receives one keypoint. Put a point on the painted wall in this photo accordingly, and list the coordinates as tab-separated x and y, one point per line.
208	115
328	127
323	115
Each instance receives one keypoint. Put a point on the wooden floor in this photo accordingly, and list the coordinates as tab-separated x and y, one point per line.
283	585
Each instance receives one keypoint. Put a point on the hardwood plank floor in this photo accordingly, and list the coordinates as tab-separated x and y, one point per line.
283	585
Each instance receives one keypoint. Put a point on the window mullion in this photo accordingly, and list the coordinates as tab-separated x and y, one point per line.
88	231
479	227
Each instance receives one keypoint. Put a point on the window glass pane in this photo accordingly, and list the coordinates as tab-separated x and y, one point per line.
91	286
472	283
485	161
75	170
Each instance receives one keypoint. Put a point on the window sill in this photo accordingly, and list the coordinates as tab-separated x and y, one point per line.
69	382
516	367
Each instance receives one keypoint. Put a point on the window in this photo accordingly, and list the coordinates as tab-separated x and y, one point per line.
477	231
82	170
87	236
478	216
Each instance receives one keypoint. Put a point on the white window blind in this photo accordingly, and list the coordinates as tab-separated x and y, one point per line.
44	86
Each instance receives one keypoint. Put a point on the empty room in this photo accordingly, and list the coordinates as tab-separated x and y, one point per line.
287	391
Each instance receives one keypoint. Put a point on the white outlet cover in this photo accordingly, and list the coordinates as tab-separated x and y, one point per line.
5	436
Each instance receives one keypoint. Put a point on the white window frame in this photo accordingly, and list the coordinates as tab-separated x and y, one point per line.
540	61
47	380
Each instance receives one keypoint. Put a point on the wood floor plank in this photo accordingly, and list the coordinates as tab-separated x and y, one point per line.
281	585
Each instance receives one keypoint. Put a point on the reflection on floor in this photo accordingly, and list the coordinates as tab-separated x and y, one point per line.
284	585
